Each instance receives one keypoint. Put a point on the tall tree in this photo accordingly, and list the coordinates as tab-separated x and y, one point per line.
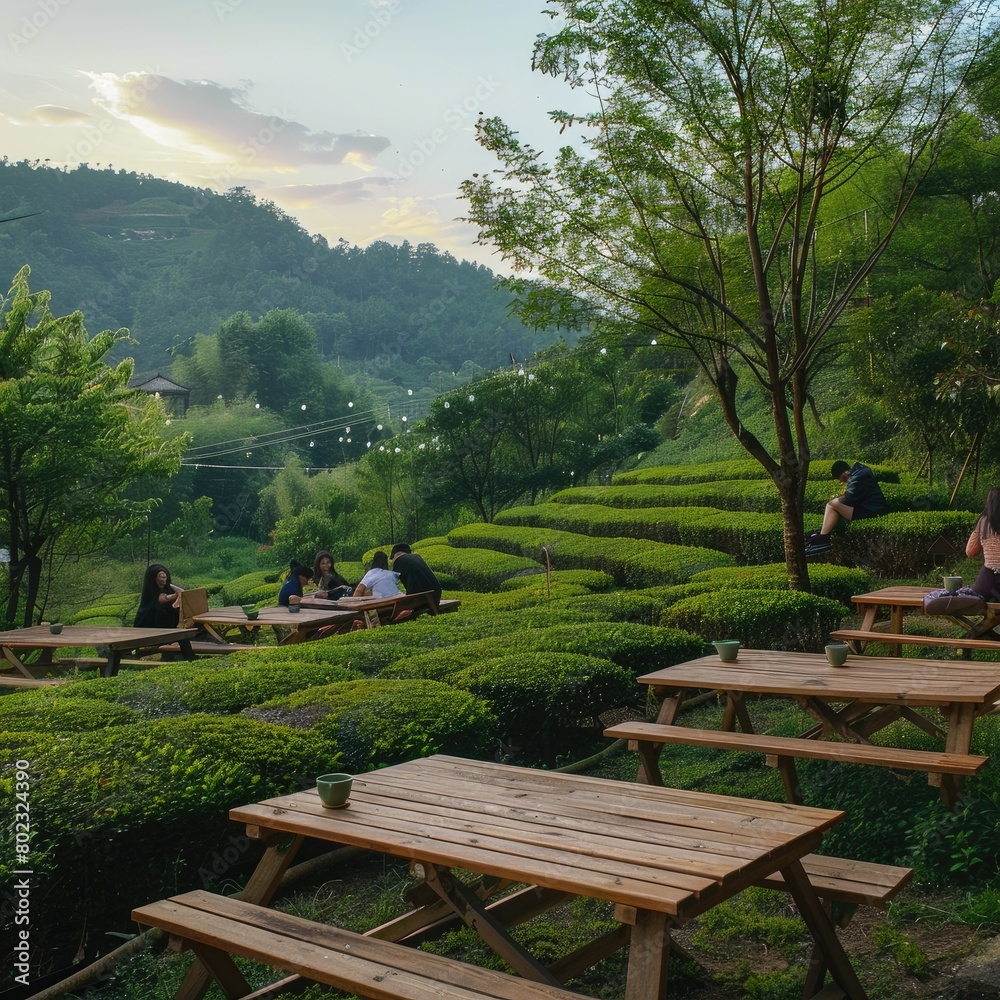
718	131
72	439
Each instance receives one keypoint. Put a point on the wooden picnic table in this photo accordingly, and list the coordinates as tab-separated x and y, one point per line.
288	627
661	855
894	602
373	611
852	701
38	643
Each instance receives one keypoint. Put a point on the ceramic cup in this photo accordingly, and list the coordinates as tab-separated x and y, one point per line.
728	649
55	628
252	615
836	653
334	789
247	608
952	582
294	608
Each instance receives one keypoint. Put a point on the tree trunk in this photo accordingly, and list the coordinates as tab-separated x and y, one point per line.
791	490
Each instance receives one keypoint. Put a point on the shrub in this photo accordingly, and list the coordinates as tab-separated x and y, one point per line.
476	569
113	610
709	472
898	544
587	580
229	691
761	619
374	723
839	583
371	650
41	710
534	694
252	588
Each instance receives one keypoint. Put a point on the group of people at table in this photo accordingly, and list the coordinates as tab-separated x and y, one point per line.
159	603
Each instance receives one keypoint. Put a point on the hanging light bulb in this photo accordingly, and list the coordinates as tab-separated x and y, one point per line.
409	392
403	419
472	398
341	440
350	404
447	405
303	406
256	406
312	444
604	350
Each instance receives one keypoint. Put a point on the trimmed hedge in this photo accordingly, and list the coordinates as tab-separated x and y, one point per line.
839	583
24	710
638	648
585	580
476	569
760	619
759	495
373	650
374	723
252	588
739	468
898	544
534	694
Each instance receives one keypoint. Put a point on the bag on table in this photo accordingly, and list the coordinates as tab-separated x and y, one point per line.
964	601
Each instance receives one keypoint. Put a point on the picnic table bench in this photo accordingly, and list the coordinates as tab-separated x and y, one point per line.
852	702
215	927
895	602
648	737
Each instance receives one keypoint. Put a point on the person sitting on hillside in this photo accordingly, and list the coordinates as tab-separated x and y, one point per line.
379	581
299	577
159	604
862	498
414	574
330	583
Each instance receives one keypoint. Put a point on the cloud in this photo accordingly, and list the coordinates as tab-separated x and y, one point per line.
218	123
48	114
346	193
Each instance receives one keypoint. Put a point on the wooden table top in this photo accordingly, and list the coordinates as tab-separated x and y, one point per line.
662	849
276	615
903	596
115	637
882	679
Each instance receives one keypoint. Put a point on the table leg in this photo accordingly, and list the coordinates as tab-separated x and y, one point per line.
961	720
472	912
111	667
13	658
648	956
260	888
670	705
831	952
736	711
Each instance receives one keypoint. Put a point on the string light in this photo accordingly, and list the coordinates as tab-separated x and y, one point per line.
302	407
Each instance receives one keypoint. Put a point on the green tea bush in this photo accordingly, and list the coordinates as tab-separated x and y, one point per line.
760	619
534	694
515	531
132	812
839	583
637	648
476	569
117	610
42	710
374	723
252	588
229	691
368	655
587	580
898	544
709	472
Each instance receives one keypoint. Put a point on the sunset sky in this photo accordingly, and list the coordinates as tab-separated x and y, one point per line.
354	116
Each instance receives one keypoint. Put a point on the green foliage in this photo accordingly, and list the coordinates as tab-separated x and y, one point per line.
535	694
911	958
760	619
710	472
749	917
981	910
40	710
261	586
231	690
838	583
374	723
476	569
365	652
587	579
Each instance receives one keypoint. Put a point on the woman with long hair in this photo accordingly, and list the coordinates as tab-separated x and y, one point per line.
985	539
328	581
159	604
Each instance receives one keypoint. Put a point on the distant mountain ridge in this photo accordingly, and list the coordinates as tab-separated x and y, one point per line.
169	261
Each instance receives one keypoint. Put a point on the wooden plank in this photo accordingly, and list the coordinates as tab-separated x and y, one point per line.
900	638
13	681
381	970
847	880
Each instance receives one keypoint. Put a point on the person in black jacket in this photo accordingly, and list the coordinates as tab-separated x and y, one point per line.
862	498
159	604
414	574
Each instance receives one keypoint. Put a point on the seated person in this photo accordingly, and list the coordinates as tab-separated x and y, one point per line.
414	574
159	604
862	498
379	581
291	590
330	583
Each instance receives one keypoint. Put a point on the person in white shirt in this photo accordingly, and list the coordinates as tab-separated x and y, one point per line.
379	581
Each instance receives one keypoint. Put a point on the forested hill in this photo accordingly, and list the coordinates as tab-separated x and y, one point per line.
169	261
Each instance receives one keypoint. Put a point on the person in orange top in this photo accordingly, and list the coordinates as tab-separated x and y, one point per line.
985	539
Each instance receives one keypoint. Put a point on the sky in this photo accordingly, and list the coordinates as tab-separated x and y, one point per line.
354	116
